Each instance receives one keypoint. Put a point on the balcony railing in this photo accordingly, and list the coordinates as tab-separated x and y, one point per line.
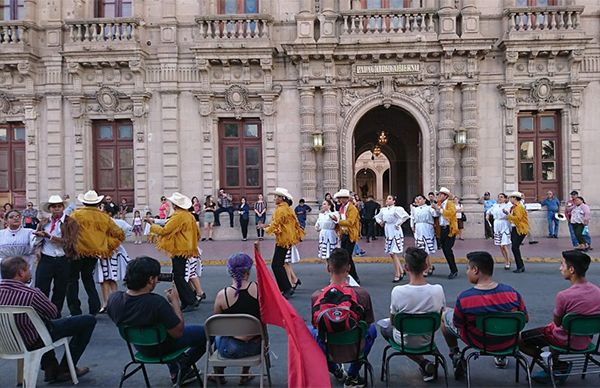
103	30
235	27
388	22
13	32
535	19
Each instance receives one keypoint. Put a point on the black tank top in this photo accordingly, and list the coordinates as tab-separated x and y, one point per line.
245	303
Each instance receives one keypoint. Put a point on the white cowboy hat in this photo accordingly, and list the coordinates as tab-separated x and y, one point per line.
343	193
180	200
53	200
516	194
90	198
560	217
282	193
445	190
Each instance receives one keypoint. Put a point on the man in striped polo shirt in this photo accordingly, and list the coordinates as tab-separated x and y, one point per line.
15	291
486	296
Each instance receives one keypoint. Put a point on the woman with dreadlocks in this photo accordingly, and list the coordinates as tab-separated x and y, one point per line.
239	298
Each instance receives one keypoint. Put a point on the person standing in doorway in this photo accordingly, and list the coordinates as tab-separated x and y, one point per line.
370	210
348	227
552	205
446	212
98	237
244	211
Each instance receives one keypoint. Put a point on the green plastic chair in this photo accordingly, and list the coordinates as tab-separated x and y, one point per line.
502	324
351	337
577	325
149	336
414	325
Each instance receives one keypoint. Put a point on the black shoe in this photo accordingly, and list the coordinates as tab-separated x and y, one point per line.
458	364
453	275
519	270
210	239
298	283
188	376
203	239
533	242
288	294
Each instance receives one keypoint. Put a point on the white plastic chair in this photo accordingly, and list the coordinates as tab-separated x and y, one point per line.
12	345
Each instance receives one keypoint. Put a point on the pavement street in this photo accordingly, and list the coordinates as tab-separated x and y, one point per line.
107	353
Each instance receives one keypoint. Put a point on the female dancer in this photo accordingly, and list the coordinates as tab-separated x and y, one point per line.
501	226
15	240
260	215
328	239
292	256
421	223
391	218
209	217
518	217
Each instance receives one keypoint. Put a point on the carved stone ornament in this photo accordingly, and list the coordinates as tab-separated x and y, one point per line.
7	107
236	99
108	100
541	90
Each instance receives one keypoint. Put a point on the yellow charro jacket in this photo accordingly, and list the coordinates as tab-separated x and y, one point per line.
98	234
179	236
351	225
284	225
449	213
518	216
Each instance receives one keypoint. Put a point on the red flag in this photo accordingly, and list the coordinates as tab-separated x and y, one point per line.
307	366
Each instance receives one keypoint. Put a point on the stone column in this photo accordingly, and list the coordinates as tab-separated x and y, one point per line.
140	149
307	128
510	166
32	179
269	125
170	141
331	160
56	145
470	178
446	161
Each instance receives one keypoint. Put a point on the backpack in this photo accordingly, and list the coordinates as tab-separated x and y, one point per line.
337	309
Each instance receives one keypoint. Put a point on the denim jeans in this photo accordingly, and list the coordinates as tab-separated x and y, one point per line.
354	366
80	328
194	338
230	347
552	224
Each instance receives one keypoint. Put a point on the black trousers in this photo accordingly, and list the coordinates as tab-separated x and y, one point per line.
83	267
370	223
516	240
187	295
447	243
244	224
260	220
349	247
488	227
277	266
55	270
223	210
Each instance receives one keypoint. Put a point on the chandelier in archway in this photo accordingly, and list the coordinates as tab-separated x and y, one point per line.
382	138
376	150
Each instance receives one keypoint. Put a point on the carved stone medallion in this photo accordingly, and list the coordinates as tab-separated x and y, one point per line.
541	90
108	98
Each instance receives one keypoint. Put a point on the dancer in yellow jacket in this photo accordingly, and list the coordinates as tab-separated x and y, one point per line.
284	225
518	217
446	211
179	238
348	227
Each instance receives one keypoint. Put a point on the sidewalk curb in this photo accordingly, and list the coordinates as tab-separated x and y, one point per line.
382	260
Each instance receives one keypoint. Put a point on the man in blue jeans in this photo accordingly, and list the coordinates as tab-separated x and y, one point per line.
15	291
570	206
552	204
338	266
139	306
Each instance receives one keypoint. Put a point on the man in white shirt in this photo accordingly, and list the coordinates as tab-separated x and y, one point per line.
416	297
57	236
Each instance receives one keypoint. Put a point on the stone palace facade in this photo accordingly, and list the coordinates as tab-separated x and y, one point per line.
139	98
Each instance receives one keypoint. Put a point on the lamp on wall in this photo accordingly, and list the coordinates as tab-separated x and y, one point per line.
317	138
460	138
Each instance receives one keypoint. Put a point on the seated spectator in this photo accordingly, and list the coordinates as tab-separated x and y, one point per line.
486	296
239	298
338	266
582	298
416	297
15	291
139	306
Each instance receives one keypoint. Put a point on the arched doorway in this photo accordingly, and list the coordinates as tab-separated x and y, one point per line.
369	178
402	150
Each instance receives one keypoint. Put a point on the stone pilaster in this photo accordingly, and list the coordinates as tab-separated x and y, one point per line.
32	180
307	128
469	161
510	168
170	141
331	158
446	127
269	125
75	134
55	144
140	149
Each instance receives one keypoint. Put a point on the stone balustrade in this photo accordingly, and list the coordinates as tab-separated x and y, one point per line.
235	27
388	22
554	18
102	30
13	32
